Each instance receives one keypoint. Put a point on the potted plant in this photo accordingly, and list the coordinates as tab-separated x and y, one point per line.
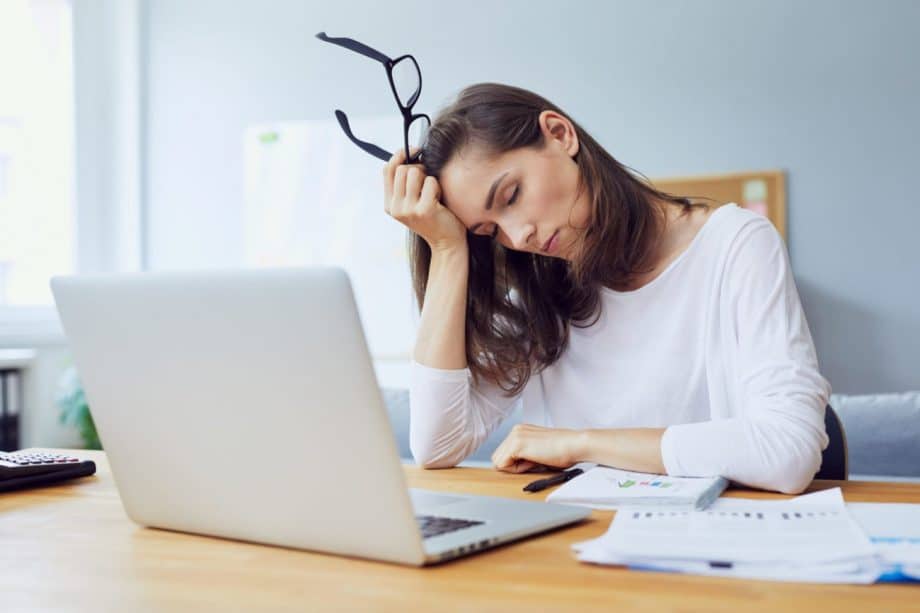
74	408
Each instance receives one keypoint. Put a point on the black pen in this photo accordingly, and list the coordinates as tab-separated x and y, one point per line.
542	484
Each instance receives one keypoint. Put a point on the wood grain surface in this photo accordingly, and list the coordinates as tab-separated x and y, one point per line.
71	547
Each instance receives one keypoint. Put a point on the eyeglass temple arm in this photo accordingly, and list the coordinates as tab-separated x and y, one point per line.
371	148
350	43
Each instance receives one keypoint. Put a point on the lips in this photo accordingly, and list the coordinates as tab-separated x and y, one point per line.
549	242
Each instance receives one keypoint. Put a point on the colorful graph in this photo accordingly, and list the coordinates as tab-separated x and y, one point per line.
627	483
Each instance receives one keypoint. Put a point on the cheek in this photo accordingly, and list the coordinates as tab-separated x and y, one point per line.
559	201
550	198
581	212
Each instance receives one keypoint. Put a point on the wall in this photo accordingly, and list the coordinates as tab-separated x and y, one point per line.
827	90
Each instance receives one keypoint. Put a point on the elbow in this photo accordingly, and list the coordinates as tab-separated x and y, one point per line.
791	483
428	460
794	472
432	464
788	452
788	459
428	455
801	473
439	445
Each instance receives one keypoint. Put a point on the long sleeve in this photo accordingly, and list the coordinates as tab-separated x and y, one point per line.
449	418
775	437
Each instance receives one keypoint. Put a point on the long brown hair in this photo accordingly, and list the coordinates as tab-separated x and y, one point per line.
520	305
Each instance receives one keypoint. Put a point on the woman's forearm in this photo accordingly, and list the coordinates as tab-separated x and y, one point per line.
636	449
441	341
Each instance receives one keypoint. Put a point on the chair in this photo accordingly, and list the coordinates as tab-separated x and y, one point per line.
883	431
834	459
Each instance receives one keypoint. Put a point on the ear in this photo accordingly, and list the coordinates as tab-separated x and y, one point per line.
558	129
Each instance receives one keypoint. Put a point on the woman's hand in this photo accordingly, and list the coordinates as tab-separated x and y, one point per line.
528	447
412	199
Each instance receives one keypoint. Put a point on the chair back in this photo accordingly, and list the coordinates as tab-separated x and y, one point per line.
834	460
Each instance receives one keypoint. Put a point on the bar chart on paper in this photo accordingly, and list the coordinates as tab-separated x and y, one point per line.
604	487
626	483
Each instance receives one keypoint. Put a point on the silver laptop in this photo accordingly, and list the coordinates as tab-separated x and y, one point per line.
243	404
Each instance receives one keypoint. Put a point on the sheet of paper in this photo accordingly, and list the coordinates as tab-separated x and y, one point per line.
891	530
806	531
831	496
894	530
603	487
858	571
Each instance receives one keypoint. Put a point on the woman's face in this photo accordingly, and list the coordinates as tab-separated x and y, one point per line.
527	199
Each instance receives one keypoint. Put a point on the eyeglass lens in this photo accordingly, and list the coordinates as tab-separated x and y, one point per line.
407	80
418	129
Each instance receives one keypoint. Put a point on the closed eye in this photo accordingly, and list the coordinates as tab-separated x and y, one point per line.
511	200
514	195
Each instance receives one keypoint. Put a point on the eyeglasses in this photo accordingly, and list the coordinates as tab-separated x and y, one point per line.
406	82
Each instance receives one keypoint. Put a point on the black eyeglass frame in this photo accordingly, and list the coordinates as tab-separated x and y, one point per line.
406	109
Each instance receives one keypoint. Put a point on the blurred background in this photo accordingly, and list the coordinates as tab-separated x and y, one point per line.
199	134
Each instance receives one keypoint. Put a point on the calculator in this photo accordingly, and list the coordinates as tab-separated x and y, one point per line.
21	469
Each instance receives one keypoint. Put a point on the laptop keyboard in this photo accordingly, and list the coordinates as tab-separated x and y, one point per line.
434	526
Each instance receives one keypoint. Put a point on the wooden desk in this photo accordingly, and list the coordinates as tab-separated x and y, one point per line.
71	547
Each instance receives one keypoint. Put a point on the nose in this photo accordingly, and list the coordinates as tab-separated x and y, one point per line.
521	235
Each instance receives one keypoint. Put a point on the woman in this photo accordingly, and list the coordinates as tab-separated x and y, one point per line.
639	330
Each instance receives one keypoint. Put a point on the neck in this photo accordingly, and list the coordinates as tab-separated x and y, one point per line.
671	234
668	243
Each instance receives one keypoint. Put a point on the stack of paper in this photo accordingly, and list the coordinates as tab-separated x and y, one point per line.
809	538
602	487
894	530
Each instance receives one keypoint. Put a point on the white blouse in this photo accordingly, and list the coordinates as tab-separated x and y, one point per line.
715	349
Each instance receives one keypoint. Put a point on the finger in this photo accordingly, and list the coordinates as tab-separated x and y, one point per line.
431	191
523	466
398	157
414	178
500	455
389	171
387	188
507	454
399	182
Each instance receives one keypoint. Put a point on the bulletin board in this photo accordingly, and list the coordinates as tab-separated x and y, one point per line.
763	192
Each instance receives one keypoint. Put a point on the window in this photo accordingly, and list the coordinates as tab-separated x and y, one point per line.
37	226
313	198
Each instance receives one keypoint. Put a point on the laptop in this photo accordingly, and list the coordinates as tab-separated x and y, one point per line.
243	404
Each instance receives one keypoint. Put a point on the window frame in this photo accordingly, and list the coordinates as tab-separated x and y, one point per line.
109	56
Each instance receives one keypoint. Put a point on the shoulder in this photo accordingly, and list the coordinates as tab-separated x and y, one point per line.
734	220
741	235
746	253
755	265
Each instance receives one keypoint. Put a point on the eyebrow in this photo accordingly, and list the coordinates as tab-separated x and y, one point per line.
490	199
